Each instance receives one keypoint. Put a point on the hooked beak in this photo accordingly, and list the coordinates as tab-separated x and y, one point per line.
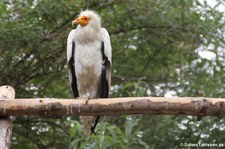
74	22
82	20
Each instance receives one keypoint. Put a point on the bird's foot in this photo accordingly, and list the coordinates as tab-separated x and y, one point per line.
88	98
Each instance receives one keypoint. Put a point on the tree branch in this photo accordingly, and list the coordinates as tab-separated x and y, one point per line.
114	106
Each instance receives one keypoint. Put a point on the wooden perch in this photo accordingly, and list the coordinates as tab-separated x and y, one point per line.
114	106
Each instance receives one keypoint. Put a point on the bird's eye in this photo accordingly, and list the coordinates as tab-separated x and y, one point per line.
85	18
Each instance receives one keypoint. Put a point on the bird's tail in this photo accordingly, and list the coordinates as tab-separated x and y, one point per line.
87	122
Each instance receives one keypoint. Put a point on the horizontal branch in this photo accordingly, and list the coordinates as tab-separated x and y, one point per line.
114	106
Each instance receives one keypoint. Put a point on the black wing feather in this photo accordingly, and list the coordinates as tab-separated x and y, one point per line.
104	88
71	65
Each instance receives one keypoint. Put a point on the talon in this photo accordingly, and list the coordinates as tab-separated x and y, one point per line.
89	98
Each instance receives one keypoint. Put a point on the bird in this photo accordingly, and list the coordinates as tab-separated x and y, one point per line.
89	60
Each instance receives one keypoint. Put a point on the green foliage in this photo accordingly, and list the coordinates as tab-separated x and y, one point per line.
156	52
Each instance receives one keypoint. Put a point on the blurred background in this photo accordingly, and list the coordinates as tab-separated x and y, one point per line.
163	48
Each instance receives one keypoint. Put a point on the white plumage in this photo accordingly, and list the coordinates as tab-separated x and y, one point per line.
89	60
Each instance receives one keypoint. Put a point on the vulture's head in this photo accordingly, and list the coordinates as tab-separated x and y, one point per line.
88	19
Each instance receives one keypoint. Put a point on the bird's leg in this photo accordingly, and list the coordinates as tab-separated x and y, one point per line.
87	99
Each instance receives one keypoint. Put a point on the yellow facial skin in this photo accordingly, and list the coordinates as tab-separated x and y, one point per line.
82	20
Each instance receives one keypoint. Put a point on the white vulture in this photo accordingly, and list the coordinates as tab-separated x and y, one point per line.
89	62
